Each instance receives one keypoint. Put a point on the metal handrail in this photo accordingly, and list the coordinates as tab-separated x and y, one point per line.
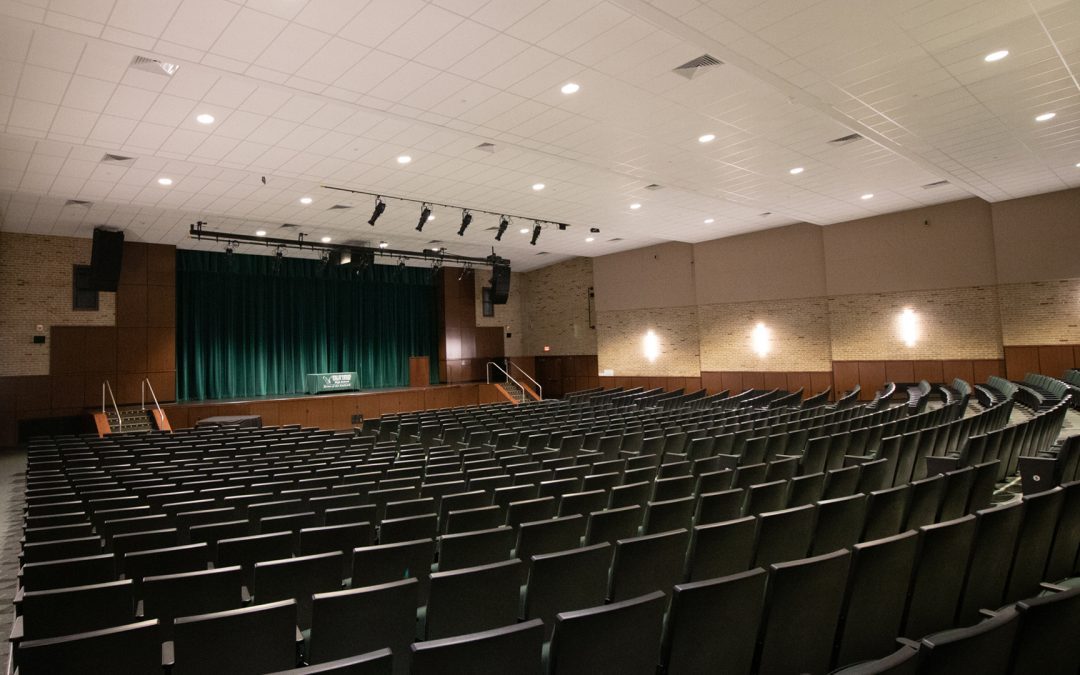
116	408
487	371
539	389
161	414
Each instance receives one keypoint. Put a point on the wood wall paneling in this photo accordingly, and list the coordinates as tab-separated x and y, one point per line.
131	350
871	378
774	380
819	382
952	369
752	380
160	265
67	353
1020	360
131	302
982	369
845	376
796	381
133	264
1054	360
927	370
900	371
733	382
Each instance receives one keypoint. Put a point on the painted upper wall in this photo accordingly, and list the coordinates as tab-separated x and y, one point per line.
778	264
655	276
942	246
1038	238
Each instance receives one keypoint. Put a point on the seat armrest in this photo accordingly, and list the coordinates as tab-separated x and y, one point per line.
987	613
852	460
1053	588
16	634
245	596
168	657
904	642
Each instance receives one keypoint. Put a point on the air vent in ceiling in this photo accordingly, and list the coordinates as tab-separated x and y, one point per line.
338	207
844	140
486	147
653	186
616	239
698	66
935	184
117	159
78	202
154	66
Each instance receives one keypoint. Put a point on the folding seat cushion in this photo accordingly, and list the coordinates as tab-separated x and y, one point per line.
360	620
250	640
803	610
131	648
510	650
713	625
565	581
473	599
623	637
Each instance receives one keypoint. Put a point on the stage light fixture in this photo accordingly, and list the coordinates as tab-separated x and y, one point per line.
536	234
466	219
504	223
425	213
380	206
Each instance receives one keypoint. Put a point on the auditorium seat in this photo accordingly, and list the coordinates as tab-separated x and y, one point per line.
410	528
983	648
479	547
473	599
722	549
378	662
996	532
222	642
885	512
630	494
131	648
877	591
581	503
841	482
359	620
613	524
1046	641
390	562
246	551
1064	560
803	609
297	578
167	597
50	551
713	625
472	519
784	535
806	489
648	563
84	571
926	495
548	536
904	661
958	486
340	538
944	552
509	650
565	581
622	638
765	497
671	514
75	609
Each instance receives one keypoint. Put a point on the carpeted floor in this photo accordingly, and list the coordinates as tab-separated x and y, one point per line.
12	491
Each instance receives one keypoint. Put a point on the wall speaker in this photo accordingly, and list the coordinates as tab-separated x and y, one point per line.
105	260
500	284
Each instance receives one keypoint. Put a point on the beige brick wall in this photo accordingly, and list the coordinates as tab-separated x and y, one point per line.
800	336
510	317
622	334
955	323
35	289
1041	312
556	309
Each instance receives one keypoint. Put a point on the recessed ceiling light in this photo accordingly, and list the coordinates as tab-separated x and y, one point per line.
404	159
796	171
709	221
706	138
570	88
1078	165
524	230
1045	116
305	200
260	233
635	206
383	244
326	240
588	239
538	186
996	56
205	118
868	195
164	181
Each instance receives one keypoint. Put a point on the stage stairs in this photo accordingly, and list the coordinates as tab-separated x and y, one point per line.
131	419
515	391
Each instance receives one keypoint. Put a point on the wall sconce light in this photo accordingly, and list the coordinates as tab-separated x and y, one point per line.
909	326
761	339
651	346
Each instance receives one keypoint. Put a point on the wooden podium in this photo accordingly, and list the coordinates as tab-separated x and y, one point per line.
419	371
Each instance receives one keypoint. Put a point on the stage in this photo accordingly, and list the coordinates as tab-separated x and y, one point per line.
334	411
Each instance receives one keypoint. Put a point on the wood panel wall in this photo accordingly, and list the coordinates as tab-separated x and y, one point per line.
560	375
141	345
871	375
464	348
1052	360
810	382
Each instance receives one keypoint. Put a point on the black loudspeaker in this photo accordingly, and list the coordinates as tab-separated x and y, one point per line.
500	284
105	260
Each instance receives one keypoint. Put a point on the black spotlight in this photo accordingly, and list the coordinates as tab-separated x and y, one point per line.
425	213
380	206
466	218
503	224
536	234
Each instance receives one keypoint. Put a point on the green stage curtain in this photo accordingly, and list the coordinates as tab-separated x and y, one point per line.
251	325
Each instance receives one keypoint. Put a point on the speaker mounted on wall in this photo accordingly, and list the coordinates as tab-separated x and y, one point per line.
500	283
105	259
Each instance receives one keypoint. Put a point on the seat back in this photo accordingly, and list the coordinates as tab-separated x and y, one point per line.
716	507
722	549
391	562
623	637
297	578
945	549
996	532
840	523
1063	559
258	639
649	563
84	571
613	524
170	596
803	609
511	649
713	625
983	648
387	613
78	609
925	501
132	648
246	551
1046	642
172	560
885	512
473	599
784	535
566	581
1041	513
379	662
469	549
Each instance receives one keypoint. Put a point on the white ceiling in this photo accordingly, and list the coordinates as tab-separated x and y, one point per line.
309	93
